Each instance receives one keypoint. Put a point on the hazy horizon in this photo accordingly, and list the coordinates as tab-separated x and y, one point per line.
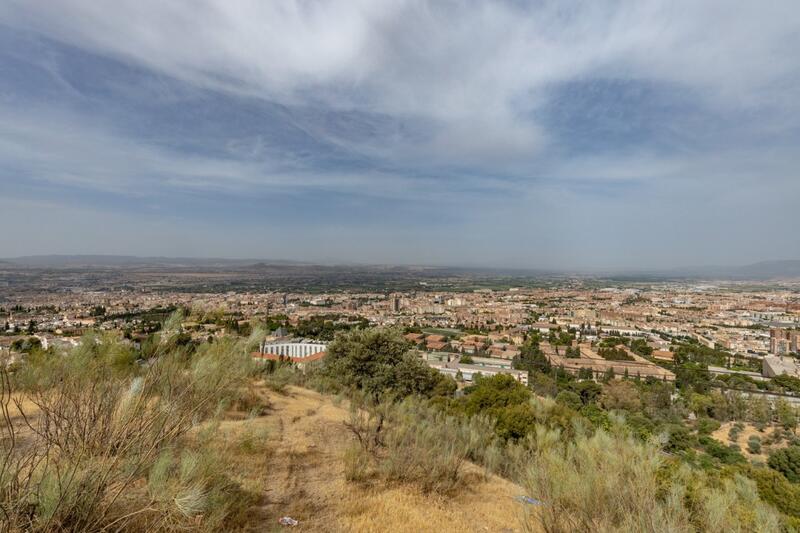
785	267
532	135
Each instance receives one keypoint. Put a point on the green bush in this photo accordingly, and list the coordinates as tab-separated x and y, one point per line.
706	426
378	362
725	454
775	489
679	438
754	444
570	399
787	462
610	481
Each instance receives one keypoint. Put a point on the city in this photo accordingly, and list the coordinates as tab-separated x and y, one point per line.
512	266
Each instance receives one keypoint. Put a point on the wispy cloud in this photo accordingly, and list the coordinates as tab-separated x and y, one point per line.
498	118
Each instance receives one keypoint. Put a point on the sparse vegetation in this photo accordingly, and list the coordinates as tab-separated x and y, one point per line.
93	441
102	438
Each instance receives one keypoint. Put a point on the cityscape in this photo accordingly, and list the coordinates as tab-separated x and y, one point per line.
496	266
754	326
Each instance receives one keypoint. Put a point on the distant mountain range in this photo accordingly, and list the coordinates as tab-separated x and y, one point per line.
764	270
129	261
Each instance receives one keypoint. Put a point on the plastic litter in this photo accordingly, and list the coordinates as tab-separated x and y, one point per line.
528	500
288	521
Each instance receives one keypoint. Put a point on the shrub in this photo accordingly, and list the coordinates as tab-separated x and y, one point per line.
613	482
640	425
621	394
279	379
775	489
706	426
725	454
754	444
787	462
104	426
416	444
570	399
254	439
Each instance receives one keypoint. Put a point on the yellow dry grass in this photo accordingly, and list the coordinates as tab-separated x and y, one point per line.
28	410
297	470
722	435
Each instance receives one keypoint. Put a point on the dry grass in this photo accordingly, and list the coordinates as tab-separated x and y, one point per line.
722	435
301	474
88	445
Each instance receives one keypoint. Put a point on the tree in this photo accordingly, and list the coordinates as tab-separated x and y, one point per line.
589	391
786	414
531	358
760	412
377	362
787	462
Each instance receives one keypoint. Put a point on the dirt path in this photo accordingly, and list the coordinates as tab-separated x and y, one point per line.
300	474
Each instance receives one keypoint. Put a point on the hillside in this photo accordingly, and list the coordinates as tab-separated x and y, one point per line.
292	458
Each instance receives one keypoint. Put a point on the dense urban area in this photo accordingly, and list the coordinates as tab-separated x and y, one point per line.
702	377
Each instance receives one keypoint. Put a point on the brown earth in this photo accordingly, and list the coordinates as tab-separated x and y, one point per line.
292	459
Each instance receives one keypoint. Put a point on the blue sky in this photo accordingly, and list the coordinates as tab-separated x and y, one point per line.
526	134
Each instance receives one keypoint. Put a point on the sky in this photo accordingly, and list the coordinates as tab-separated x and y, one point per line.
545	134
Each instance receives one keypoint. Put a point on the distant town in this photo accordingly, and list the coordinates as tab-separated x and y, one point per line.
750	330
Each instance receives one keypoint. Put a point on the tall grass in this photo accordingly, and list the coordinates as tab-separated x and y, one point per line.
100	426
611	481
414	443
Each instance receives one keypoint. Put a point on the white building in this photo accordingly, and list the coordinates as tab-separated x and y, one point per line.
773	365
468	372
298	348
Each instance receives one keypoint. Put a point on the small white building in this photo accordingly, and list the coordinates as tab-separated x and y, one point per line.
297	348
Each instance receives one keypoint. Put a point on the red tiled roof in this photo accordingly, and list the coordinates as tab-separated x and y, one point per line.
435	345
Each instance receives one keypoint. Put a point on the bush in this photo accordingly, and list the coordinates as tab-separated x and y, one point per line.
787	462
415	444
775	489
254	440
612	482
725	454
754	444
706	426
570	399
104	426
279	379
679	438
621	394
